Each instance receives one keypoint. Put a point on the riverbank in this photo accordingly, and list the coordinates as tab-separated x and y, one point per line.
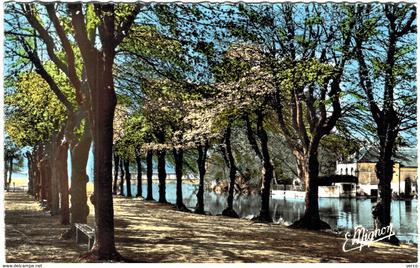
152	232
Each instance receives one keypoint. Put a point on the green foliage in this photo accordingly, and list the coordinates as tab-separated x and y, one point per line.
136	132
251	51
12	153
230	69
34	112
165	16
316	19
340	146
301	74
147	41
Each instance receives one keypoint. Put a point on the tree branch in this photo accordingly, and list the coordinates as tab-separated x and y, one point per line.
71	65
408	27
366	83
123	29
80	32
33	56
45	36
251	137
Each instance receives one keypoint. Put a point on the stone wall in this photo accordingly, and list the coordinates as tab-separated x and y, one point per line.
404	181
367	174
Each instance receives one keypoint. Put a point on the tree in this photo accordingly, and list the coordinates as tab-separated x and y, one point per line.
287	42
11	153
122	177
233	97
99	94
201	163
34	118
139	173
157	108
60	162
149	174
306	78
386	78
157	60
75	134
247	80
99	66
161	166
136	134
230	162
116	166
124	151
127	177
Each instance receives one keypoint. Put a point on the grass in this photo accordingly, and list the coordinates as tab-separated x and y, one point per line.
152	232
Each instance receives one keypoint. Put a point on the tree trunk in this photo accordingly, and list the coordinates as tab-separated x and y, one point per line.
139	183
54	189
251	137
10	172
64	183
99	71
41	187
30	177
128	177
387	120
122	175
30	173
179	158
384	171
201	163
5	174
149	171
47	178
42	177
267	171
34	172
60	156
103	106
35	166
79	154
229	211
309	166
116	166
162	176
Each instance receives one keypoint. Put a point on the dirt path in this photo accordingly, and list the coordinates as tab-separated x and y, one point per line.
32	234
151	232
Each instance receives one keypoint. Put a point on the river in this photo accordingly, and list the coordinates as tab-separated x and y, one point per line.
340	213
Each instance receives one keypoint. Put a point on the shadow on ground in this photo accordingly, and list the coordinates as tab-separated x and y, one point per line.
151	232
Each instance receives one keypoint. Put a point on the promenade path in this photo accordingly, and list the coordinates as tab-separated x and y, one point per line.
151	232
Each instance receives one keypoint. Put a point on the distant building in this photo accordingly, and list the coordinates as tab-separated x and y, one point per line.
404	180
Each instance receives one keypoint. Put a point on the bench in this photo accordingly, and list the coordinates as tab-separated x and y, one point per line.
86	230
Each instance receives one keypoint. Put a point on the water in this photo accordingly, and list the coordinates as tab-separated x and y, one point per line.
340	213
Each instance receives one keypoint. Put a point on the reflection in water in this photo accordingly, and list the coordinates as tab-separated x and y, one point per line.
340	213
407	205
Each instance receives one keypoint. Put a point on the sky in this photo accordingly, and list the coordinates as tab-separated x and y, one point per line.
8	62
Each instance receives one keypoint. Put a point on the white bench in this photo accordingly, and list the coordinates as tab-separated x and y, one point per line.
87	231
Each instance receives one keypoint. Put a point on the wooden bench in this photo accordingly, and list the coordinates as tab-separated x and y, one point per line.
88	231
